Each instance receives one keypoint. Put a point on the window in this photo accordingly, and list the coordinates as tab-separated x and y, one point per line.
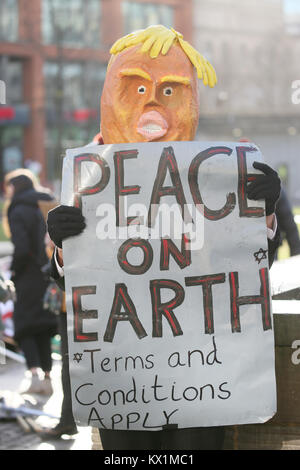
73	85
75	23
73	91
141	15
9	20
15	83
292	16
11	72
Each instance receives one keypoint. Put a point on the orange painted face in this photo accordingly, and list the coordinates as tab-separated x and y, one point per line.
149	100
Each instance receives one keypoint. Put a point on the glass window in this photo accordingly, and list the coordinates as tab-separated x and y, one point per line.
75	23
73	85
9	20
73	92
11	72
141	15
11	154
14	87
292	16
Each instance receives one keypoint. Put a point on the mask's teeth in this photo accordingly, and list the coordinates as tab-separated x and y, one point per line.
152	128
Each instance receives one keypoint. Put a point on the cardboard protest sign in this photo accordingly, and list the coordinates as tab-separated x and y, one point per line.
169	313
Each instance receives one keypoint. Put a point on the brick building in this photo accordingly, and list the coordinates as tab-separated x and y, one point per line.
254	46
53	57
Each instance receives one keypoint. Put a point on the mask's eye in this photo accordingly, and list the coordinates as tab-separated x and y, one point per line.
168	91
142	90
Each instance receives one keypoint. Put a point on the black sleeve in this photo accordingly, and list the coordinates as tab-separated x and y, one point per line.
287	224
273	246
60	281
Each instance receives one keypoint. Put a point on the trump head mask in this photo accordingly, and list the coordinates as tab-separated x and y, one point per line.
150	92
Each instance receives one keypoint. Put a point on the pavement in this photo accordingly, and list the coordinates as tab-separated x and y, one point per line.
13	379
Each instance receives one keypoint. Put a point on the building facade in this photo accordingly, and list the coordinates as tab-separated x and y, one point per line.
53	58
256	55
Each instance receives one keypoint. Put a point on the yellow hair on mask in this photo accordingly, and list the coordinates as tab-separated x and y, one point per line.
157	40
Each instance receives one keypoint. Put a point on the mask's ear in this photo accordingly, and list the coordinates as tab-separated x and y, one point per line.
98	139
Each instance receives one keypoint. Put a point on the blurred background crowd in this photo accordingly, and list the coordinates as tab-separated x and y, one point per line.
53	59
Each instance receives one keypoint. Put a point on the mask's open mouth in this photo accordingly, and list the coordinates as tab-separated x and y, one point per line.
152	125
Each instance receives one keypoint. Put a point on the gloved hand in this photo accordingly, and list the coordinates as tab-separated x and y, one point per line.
266	186
64	222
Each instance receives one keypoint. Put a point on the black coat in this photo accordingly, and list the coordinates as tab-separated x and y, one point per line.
28	231
287	224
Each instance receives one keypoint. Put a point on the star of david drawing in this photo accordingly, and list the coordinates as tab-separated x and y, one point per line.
77	357
260	255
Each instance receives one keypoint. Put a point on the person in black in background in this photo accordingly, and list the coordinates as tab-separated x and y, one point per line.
34	326
55	300
287	224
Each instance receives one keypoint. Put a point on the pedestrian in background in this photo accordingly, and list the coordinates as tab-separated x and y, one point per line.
34	326
55	301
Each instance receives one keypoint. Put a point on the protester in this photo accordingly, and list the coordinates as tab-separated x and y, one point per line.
34	326
131	114
286	224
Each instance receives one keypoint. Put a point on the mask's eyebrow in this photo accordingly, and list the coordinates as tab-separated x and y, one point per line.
135	72
176	79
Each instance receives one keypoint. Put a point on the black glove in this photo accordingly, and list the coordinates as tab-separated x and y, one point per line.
64	222
266	186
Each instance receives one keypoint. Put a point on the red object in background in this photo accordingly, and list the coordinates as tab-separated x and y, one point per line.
7	113
84	114
7	315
